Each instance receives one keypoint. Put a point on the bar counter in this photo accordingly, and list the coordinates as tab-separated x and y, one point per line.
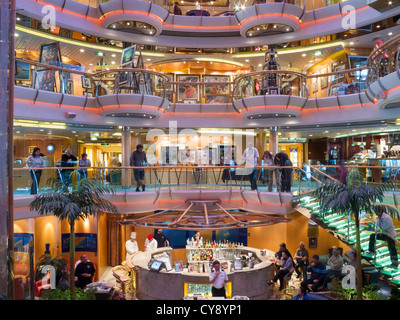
175	285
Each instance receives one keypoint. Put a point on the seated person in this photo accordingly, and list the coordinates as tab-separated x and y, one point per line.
335	264
286	268
278	254
318	271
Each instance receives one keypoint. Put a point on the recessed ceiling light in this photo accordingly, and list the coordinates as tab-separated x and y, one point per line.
390	33
113	55
303	55
81	50
351	43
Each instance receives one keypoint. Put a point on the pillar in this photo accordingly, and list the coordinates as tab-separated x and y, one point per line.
126	178
273	140
7	71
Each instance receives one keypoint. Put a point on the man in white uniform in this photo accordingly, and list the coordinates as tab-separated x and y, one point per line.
251	156
131	245
150	243
385	222
218	279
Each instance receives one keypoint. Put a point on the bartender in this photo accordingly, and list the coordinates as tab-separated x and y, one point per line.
161	238
131	245
218	279
197	239
150	243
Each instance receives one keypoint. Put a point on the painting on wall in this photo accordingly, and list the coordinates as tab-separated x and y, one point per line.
22	71
83	242
314	84
215	88
324	80
188	91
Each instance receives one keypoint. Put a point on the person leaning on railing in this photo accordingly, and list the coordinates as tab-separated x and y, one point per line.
35	161
67	160
267	174
282	159
138	159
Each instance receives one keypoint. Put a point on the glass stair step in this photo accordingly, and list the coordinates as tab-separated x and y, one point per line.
306	200
391	272
314	205
338	224
332	217
364	235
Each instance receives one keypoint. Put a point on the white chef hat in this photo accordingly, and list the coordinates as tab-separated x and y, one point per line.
133	235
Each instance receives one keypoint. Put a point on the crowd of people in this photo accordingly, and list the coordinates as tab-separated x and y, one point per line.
138	158
314	274
35	162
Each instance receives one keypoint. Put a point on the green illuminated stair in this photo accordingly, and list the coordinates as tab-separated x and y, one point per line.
339	224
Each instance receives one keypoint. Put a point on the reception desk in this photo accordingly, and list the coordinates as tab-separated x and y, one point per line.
250	282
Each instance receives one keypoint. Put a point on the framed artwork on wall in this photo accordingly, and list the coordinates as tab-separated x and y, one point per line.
211	98
215	88
314	84
86	83
188	91
324	80
22	71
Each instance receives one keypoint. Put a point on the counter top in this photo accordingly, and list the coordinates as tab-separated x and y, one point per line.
142	259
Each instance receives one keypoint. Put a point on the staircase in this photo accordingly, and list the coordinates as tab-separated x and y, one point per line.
344	229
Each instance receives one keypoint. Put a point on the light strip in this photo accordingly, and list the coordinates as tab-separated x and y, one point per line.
366	132
82	43
212	131
291	50
64	40
220	60
311	47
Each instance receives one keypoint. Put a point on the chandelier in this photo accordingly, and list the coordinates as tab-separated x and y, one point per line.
202	215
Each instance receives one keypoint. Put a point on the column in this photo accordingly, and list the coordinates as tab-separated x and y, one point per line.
273	140
126	178
7	67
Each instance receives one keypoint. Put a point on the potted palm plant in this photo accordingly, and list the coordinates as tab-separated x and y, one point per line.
354	197
83	200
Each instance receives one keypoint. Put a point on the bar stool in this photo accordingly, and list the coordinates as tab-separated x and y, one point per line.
121	274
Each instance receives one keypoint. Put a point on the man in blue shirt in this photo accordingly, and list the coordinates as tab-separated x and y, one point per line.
318	271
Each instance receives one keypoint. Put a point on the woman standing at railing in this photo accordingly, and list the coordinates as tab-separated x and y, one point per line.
35	161
267	161
84	162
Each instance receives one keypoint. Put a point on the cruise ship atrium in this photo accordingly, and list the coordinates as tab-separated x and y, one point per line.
200	150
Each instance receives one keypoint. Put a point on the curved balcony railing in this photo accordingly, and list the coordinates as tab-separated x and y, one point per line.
233	7
290	88
383	60
170	177
64	80
269	82
201	89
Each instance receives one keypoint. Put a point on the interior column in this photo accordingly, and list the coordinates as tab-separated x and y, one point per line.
273	140
126	178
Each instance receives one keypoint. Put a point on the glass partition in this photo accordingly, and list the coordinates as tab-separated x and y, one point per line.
197	177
